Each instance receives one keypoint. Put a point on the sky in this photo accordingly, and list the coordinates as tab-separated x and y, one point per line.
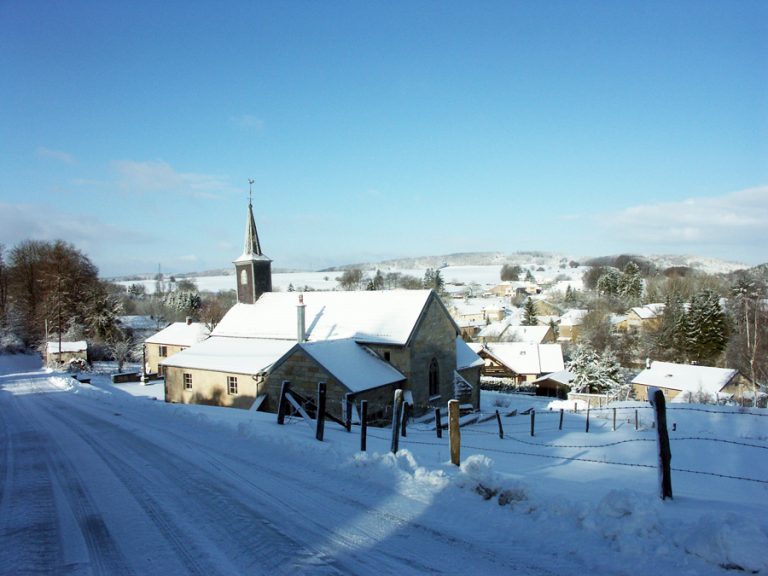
377	130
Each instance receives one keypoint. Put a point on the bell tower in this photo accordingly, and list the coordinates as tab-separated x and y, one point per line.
253	270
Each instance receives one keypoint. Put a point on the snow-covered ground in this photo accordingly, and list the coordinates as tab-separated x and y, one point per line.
104	479
484	276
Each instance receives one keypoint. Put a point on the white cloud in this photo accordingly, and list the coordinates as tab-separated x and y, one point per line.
158	176
734	218
55	155
247	122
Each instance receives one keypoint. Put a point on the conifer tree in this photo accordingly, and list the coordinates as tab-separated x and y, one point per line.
529	313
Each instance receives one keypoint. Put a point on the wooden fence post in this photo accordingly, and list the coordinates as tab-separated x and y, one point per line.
348	413
363	424
320	427
665	453
454	432
281	403
560	426
501	428
588	405
614	419
637	421
396	407
438	423
533	421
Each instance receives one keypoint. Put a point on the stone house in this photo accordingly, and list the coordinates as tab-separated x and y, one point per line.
362	344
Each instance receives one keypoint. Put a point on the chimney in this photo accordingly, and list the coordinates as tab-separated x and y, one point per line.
647	363
301	335
189	320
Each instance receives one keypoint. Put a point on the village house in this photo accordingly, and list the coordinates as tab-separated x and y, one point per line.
570	324
647	317
506	332
362	344
523	362
169	341
687	382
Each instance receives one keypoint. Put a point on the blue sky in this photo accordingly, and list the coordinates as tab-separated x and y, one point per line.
383	129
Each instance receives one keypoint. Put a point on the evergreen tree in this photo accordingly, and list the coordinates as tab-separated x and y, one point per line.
529	313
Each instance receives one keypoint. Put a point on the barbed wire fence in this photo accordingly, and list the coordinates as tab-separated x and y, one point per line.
517	430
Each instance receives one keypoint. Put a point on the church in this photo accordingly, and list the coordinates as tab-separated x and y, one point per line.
364	345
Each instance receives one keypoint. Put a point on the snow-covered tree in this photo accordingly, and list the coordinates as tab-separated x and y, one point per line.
584	367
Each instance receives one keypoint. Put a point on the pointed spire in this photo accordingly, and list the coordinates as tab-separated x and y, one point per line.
252	247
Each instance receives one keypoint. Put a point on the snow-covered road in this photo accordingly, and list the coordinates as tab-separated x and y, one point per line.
97	480
88	489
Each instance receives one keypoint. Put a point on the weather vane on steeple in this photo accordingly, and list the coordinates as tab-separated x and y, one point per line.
250	191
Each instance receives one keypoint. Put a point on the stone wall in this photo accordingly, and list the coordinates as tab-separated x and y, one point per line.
210	388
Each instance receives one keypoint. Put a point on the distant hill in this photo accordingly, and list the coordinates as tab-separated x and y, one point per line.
552	260
527	259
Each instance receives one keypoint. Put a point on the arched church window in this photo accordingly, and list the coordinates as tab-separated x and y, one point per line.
434	378
243	277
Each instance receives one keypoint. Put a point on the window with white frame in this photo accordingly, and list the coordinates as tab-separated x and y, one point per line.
232	384
187	381
163	351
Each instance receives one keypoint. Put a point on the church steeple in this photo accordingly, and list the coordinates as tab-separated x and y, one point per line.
253	269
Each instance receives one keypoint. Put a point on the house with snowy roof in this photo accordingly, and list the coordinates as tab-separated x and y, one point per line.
647	317
508	332
362	344
524	362
570	324
687	382
169	341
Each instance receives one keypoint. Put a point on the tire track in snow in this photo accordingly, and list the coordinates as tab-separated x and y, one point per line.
382	522
52	466
247	536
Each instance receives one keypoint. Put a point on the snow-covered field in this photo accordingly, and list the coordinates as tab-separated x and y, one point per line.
104	479
485	276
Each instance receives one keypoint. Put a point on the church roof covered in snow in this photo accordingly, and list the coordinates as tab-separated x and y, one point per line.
376	317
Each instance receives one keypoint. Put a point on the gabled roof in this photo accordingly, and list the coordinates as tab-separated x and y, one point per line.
233	355
375	317
180	334
525	358
351	364
686	377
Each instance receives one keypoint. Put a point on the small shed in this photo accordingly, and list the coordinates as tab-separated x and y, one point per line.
62	352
